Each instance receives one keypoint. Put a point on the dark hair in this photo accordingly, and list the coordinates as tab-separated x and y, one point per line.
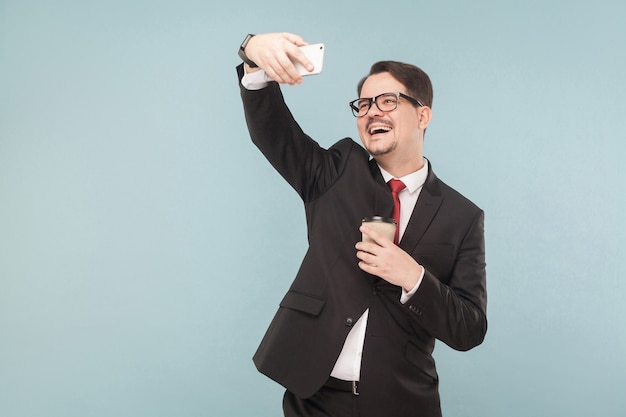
415	80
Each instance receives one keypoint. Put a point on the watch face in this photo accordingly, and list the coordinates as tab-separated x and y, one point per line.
242	53
245	41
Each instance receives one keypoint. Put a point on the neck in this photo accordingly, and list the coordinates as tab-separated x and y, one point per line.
400	168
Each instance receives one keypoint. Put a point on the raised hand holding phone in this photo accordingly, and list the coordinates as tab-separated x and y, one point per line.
285	57
315	54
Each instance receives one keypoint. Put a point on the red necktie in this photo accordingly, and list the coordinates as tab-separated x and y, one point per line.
396	186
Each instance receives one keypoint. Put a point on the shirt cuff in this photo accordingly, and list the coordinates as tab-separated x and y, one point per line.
255	80
406	295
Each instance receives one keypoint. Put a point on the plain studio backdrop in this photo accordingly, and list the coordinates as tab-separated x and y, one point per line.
145	243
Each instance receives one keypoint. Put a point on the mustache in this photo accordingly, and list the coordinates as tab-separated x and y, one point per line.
379	121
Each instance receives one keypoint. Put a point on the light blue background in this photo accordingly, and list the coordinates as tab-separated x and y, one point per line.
145	243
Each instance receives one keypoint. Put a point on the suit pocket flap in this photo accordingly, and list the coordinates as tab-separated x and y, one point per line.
302	302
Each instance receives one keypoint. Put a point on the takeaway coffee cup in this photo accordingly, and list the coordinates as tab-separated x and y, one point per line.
384	225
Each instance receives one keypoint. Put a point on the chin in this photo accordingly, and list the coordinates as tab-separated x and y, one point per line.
381	150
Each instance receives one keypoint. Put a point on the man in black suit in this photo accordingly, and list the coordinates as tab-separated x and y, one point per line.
355	332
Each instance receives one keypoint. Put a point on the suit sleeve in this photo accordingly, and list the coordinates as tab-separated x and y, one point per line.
455	312
305	165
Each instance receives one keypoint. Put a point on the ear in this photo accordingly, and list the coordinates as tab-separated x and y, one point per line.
424	114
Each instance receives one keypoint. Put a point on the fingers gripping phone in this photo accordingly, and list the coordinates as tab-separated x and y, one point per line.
315	54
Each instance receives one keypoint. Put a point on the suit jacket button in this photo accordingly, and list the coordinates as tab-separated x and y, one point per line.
349	321
376	289
415	310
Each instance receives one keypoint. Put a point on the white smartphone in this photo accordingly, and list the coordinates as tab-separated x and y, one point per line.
315	53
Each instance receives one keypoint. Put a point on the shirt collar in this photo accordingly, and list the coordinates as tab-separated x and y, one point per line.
414	181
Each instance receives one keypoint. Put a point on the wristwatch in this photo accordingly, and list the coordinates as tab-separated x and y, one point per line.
242	53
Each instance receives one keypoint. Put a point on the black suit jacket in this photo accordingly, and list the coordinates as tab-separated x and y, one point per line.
340	186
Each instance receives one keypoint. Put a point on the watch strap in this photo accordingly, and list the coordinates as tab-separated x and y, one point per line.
242	52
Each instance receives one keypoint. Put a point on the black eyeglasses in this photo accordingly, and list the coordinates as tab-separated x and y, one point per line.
385	102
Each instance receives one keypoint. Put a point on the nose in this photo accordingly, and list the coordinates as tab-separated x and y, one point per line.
374	110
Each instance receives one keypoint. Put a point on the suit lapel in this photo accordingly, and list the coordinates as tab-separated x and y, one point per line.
383	202
423	214
426	208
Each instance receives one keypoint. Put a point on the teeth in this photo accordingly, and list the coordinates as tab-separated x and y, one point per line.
379	129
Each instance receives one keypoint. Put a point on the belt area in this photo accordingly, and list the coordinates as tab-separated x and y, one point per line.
341	385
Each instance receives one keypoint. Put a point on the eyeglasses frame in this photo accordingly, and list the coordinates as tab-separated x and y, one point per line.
371	100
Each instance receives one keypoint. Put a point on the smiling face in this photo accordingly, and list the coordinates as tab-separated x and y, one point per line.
394	138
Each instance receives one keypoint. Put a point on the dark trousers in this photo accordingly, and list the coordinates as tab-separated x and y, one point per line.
327	402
